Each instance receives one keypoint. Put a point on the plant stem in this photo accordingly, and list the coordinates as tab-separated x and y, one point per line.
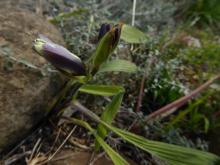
133	12
151	61
71	86
86	111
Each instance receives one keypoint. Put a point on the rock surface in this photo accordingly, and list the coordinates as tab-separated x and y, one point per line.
25	90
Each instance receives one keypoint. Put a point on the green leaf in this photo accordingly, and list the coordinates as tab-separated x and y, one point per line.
118	66
172	154
108	116
131	34
103	90
115	157
206	123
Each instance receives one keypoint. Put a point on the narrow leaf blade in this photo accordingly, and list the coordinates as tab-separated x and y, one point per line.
103	90
173	154
108	116
115	157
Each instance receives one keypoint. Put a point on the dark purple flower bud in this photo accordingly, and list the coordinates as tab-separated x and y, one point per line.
103	30
59	56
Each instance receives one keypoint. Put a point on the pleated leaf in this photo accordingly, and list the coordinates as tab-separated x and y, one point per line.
108	116
172	154
103	90
118	66
131	34
115	157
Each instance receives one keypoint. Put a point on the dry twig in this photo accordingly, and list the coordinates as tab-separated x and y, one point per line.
151	61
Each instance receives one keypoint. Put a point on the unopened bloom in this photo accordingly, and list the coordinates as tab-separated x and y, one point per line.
103	30
60	57
114	31
108	40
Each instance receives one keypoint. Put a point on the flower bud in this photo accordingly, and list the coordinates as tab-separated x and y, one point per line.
103	30
60	57
116	35
109	38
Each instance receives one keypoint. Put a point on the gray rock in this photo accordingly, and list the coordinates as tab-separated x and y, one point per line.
26	85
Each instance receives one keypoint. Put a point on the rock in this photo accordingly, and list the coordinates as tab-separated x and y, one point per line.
26	86
192	41
186	39
41	7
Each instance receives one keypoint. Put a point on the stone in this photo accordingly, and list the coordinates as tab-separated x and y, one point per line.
27	84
